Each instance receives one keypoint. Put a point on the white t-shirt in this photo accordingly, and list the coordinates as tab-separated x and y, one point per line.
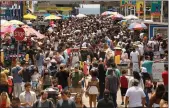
135	95
141	49
35	77
134	56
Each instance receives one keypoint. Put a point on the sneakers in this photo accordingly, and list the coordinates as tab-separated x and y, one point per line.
122	103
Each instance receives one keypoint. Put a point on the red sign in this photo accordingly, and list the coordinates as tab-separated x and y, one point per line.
19	34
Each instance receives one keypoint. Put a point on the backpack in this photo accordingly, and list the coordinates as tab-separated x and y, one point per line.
37	56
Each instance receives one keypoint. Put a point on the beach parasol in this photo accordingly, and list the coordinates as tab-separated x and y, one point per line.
30	31
50	17
130	17
16	22
80	16
137	26
118	16
108	13
29	16
3	21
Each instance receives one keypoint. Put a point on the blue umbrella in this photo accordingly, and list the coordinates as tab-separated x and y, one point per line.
47	14
112	10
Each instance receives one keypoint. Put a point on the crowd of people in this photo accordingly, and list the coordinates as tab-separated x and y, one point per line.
77	58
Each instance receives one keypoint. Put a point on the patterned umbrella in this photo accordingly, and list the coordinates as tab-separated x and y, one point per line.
118	16
130	17
107	13
137	26
30	31
16	22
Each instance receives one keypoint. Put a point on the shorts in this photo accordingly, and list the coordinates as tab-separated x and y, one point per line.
34	84
123	91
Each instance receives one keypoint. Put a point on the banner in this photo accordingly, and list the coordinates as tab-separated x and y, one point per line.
52	8
123	2
133	2
139	6
157	70
156	7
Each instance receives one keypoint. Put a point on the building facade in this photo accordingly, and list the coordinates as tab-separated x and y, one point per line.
11	10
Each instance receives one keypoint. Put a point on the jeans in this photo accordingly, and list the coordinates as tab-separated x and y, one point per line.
114	98
147	97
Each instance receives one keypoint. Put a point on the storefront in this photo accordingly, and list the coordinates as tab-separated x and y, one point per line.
11	10
161	29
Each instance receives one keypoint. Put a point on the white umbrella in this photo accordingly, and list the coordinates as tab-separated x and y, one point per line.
130	17
80	16
3	21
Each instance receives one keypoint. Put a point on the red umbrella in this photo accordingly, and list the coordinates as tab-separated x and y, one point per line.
30	31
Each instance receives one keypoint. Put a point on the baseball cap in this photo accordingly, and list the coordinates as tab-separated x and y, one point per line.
144	70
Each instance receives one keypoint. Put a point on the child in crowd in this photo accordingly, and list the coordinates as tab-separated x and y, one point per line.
35	78
124	85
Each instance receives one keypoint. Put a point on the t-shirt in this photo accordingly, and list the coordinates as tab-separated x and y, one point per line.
165	77
124	82
16	77
148	65
134	56
105	104
76	77
62	78
66	104
135	95
46	104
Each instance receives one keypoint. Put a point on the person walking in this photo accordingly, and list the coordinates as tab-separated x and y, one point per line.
4	100
43	102
101	77
76	80
17	80
135	96
157	96
78	101
93	88
28	97
165	77
106	102
112	84
124	85
65	102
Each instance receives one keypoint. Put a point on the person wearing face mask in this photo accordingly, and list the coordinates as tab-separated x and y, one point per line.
106	102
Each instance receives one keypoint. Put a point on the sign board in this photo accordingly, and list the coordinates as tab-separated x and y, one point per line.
157	70
19	34
139	6
54	8
156	8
